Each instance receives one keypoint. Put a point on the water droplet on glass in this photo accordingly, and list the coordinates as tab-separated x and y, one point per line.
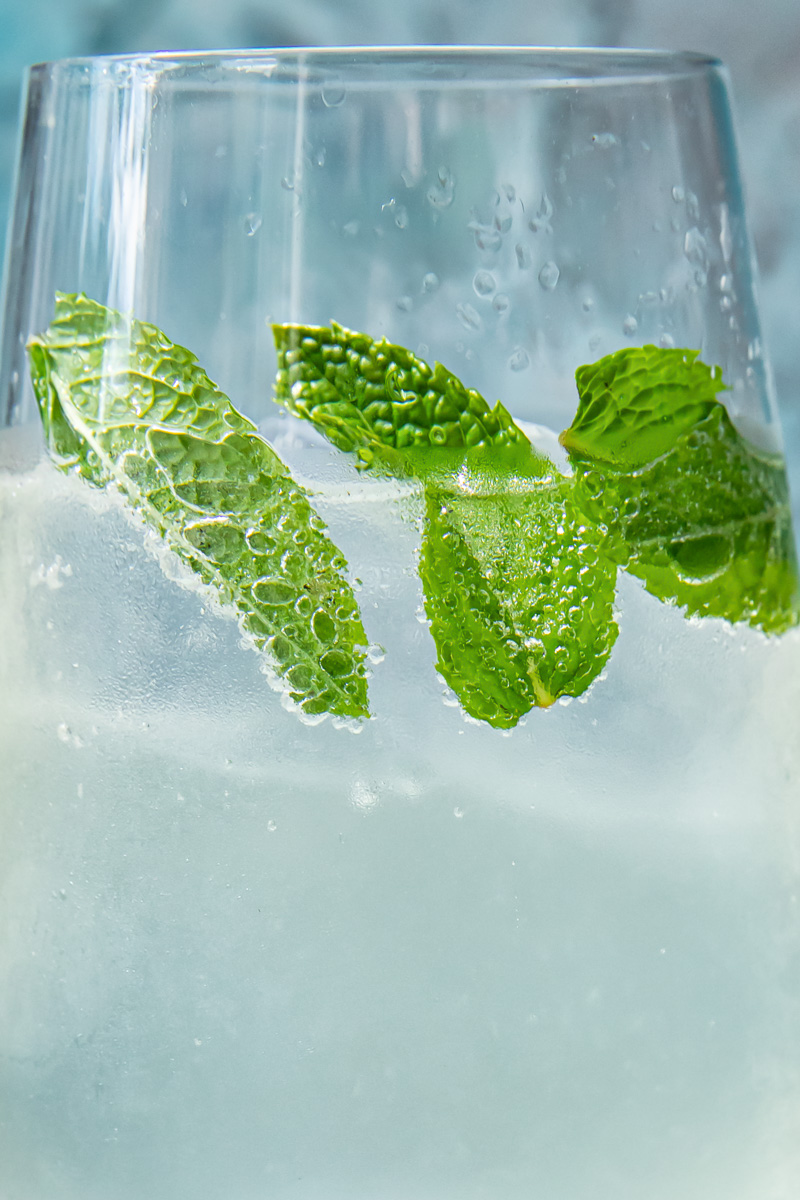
503	223
692	205
469	317
666	341
484	283
630	325
604	140
271	826
695	248
430	282
587	304
501	303
548	276
678	195
319	158
184	198
458	812
540	223
351	228
486	236
523	256
376	653
287	184
252	224
442	192
401	217
333	92
519	360
404	303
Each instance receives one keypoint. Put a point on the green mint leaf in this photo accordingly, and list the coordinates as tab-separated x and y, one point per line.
123	405
705	521
374	397
635	403
517	591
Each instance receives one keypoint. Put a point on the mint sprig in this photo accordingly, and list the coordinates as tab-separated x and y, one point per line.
684	501
121	404
516	586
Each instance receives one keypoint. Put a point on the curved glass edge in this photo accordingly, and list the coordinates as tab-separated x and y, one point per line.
541	66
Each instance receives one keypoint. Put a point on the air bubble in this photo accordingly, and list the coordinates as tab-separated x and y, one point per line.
401	217
287	184
678	195
519	360
333	92
630	325
548	276
666	341
430	282
484	283
252	224
501	303
404	303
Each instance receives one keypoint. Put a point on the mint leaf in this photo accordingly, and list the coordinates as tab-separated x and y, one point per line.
372	396
705	520
123	405
634	404
519	594
517	590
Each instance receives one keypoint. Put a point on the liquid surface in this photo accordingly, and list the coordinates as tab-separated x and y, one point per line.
243	956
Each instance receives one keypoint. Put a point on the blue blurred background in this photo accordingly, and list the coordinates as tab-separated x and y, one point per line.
759	42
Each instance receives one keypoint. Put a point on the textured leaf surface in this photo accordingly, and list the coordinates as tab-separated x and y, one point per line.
371	395
121	403
707	525
634	404
517	591
524	612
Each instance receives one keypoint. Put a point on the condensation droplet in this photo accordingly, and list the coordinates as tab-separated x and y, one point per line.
376	653
666	341
604	141
430	281
287	184
501	303
678	195
468	317
351	228
458	812
630	325
271	826
486	236
442	193
404	303
519	360
401	217
333	92
540	223
484	283
548	276
523	256
252	224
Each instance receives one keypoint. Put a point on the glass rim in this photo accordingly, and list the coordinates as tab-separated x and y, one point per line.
549	66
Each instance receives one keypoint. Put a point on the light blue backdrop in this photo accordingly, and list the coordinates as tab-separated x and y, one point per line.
760	43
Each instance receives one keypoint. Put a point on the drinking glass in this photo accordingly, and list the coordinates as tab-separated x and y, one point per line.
395	807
